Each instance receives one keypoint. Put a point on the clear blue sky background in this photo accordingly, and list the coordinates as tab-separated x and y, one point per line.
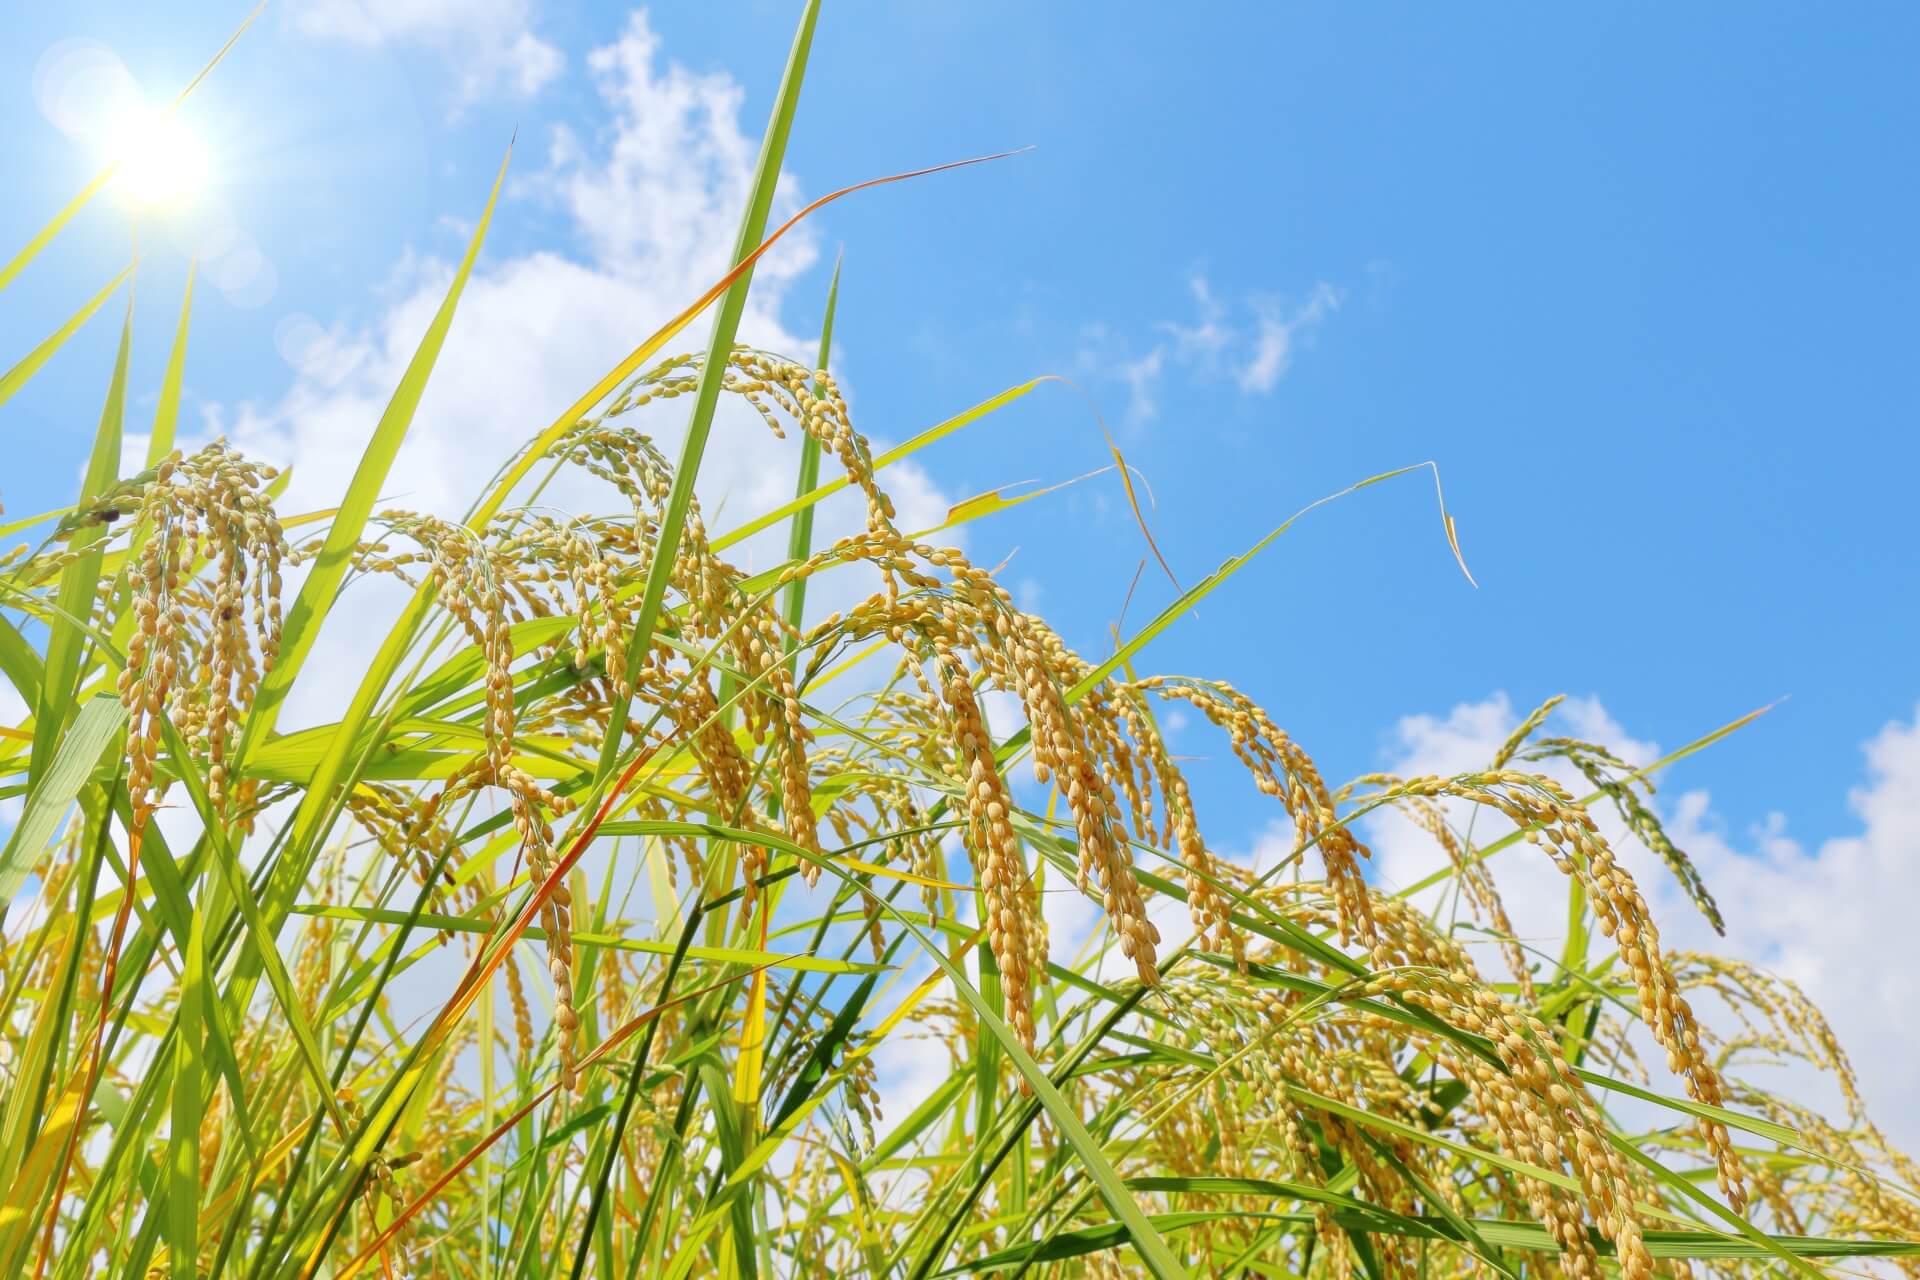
1639	277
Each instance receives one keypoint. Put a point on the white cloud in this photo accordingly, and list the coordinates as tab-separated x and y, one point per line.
1210	345
1273	346
1836	918
1141	376
1203	341
664	199
655	198
488	44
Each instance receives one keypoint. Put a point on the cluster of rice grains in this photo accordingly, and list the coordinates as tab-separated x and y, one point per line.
1299	1004
203	568
1773	1023
958	637
1286	1048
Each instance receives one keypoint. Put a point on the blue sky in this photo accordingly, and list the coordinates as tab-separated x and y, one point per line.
1636	277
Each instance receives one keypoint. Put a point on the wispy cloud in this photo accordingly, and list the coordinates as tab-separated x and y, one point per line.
1204	341
1141	376
489	45
1253	343
1280	331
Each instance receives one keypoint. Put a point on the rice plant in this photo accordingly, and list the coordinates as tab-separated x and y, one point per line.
212	924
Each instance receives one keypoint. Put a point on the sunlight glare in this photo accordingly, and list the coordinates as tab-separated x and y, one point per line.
160	160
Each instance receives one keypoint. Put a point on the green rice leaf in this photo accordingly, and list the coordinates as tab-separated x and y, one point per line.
706	398
74	603
234	879
17	377
97	727
800	537
183	1144
322	587
166	414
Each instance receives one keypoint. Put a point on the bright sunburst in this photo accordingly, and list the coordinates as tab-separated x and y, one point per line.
161	161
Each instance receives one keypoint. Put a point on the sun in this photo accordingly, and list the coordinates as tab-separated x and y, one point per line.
160	161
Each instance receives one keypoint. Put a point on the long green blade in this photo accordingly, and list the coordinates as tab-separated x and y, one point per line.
68	633
322	587
183	1145
726	322
95	729
17	377
800	537
1146	1241
166	414
233	878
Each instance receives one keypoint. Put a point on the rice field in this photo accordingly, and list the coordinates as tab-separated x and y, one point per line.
672	861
